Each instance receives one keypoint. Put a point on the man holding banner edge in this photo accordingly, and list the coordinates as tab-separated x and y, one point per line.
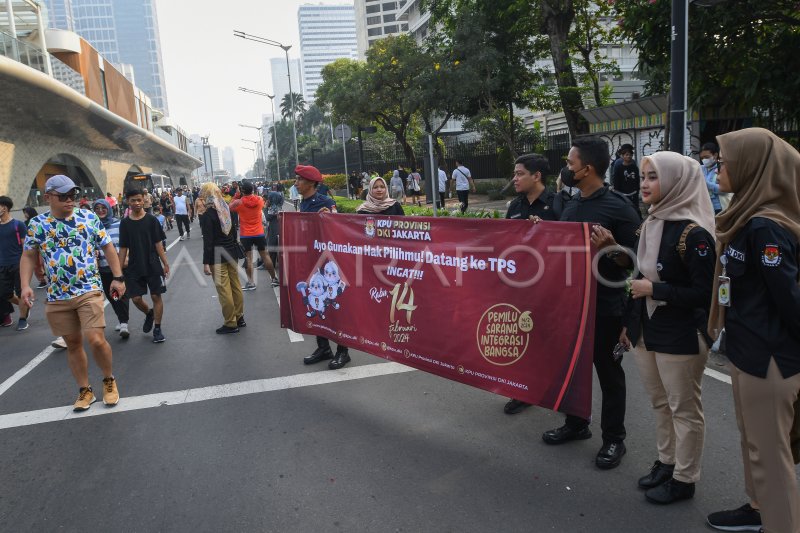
616	223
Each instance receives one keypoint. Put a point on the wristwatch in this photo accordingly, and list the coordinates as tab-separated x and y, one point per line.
119	278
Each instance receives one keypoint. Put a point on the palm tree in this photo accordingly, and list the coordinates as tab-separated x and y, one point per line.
299	106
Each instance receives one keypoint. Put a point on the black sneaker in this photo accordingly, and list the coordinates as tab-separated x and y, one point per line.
158	336
745	518
149	318
341	359
226	329
276	282
240	323
513	406
659	473
670	492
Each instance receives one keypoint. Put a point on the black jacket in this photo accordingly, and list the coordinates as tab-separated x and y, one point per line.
218	247
614	212
520	208
763	320
686	286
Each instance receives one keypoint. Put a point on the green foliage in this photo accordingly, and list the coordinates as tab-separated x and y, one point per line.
742	54
344	205
335	181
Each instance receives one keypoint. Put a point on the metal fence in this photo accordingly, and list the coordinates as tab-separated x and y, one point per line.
486	159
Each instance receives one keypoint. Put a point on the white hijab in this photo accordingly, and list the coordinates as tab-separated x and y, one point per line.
684	196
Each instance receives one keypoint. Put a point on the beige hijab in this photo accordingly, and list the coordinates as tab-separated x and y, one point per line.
764	171
684	196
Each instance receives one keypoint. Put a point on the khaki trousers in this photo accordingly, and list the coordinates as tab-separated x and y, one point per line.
674	385
229	291
765	413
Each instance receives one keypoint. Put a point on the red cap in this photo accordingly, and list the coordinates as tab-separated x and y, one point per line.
308	172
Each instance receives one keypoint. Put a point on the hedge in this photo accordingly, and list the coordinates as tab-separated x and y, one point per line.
344	205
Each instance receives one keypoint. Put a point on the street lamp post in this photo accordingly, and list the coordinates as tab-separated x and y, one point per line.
210	159
365	129
678	80
285	48
254	155
255	151
263	152
274	125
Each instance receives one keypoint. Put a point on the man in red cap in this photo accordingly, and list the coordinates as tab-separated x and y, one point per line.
308	179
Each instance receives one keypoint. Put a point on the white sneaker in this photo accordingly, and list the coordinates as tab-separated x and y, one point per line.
183	238
117	327
123	330
59	343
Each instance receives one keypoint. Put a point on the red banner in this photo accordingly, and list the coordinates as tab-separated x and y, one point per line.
503	305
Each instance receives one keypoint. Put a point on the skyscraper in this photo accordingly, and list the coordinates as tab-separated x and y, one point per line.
124	32
376	19
327	33
280	80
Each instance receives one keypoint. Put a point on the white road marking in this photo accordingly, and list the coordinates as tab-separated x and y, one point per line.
293	335
44	354
202	394
725	378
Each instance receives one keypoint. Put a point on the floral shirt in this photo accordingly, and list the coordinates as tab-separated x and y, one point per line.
68	247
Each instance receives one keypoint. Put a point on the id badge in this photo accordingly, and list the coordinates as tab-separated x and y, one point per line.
724	293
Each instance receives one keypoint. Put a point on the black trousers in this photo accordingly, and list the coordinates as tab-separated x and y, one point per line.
122	305
182	221
463	197
611	376
323	342
442	196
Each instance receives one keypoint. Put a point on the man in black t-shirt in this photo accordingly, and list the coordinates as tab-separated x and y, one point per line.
625	175
142	255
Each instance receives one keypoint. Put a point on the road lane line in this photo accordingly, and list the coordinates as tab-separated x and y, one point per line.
214	392
44	354
710	372
293	335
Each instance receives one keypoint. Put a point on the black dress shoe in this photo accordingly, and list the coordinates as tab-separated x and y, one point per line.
240	323
515	406
320	354
566	434
226	329
341	359
610	455
660	473
670	492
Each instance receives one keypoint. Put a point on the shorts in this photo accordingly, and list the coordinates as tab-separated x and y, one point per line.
77	314
10	283
259	242
139	286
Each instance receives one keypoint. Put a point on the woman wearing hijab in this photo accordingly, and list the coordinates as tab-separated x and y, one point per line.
669	309
757	301
221	251
378	201
121	305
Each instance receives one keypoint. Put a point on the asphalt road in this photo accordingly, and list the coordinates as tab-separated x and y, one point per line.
234	433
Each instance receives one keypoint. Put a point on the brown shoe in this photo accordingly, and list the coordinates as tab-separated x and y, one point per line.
110	392
85	399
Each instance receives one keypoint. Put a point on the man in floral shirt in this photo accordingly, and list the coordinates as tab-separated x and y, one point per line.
68	240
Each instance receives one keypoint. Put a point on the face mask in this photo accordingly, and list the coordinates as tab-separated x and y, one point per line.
708	162
568	177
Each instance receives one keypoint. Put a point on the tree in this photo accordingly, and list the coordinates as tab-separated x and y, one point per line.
742	55
376	90
299	106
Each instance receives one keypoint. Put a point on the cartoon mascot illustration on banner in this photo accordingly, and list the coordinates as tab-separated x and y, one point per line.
334	286
322	289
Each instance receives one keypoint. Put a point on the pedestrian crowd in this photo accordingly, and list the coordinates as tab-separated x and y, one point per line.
718	250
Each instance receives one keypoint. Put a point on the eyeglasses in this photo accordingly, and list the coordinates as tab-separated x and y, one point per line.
64	197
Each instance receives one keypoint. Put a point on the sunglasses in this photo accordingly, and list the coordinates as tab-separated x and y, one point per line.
64	197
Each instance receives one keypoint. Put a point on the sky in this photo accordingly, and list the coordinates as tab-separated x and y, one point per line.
204	64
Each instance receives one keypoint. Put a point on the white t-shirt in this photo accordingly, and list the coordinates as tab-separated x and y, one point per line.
180	205
442	180
461	174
